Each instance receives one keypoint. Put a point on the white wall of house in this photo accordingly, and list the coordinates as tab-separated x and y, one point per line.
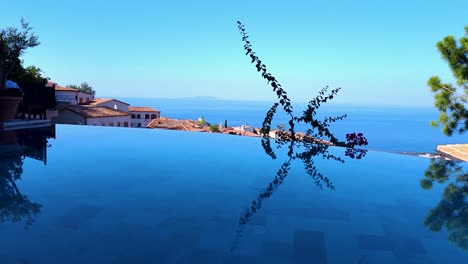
272	134
244	128
66	116
113	103
84	97
143	118
115	121
66	96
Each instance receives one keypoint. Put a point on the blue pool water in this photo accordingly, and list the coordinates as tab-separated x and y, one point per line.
123	195
396	129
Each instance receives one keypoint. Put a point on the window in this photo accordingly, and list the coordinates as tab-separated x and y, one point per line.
118	124
147	116
133	116
138	116
139	124
125	124
81	100
87	99
153	116
111	124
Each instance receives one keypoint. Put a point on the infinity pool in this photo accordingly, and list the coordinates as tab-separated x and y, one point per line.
78	194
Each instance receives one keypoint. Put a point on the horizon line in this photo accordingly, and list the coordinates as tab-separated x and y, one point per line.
214	98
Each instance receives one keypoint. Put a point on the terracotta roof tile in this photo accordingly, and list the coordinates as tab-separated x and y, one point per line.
85	93
96	111
51	84
65	89
141	109
98	101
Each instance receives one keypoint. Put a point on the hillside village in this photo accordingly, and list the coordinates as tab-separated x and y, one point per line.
79	108
56	104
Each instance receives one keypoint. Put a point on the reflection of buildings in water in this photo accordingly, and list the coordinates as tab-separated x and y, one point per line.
15	146
31	143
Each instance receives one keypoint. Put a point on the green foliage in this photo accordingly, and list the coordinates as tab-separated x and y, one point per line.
214	128
13	44
452	210
30	74
452	100
266	126
426	184
83	87
14	206
201	121
319	129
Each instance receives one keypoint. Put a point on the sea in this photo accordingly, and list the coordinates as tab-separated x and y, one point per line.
402	129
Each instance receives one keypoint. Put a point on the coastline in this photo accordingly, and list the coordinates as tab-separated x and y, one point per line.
195	126
394	128
167	123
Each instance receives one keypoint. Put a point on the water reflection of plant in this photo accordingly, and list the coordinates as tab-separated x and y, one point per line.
17	145
311	150
315	142
452	210
14	206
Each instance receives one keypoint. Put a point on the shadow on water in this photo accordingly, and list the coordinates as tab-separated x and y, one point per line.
15	147
452	211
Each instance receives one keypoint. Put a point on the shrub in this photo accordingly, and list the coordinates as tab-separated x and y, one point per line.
214	128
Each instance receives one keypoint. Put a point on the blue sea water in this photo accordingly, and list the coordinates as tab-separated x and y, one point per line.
399	129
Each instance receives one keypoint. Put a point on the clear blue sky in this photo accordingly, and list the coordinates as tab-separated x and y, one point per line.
379	52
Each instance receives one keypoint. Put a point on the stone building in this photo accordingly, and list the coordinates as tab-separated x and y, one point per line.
142	116
93	116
